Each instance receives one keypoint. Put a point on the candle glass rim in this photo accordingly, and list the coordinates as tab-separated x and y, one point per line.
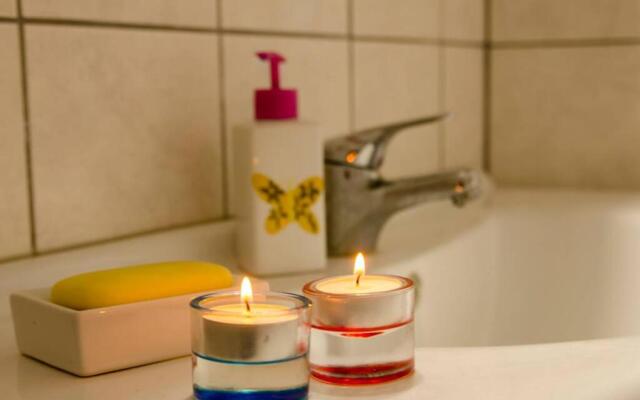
310	288
300	302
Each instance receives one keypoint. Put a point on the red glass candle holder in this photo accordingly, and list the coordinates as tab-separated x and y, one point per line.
361	338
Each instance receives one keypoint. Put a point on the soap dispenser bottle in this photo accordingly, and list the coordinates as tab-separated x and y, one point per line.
279	185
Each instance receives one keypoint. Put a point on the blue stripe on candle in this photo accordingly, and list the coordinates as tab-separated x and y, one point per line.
299	393
219	360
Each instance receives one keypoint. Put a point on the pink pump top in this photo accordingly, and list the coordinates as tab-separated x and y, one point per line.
275	103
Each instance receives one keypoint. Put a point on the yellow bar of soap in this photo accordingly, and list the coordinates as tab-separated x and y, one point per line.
138	283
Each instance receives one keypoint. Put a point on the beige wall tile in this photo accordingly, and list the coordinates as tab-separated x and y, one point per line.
464	98
566	19
464	19
410	18
395	82
197	13
317	68
8	8
14	211
125	131
567	116
328	16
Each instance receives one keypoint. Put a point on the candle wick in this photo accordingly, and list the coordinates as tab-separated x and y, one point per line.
358	279
247	306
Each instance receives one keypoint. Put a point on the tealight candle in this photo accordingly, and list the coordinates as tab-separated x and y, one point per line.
359	283
362	327
250	346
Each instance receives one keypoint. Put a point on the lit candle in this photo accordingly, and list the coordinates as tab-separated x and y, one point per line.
243	342
246	312
362	327
359	282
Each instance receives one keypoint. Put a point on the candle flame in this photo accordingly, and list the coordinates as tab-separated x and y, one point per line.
246	293
358	268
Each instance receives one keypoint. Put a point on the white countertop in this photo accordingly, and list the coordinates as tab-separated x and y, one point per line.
605	369
601	369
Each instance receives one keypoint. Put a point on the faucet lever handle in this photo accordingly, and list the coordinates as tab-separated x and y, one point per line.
366	149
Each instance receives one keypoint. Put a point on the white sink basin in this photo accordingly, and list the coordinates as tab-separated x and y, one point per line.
532	267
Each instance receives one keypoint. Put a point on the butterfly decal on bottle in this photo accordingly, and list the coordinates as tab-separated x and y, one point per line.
289	206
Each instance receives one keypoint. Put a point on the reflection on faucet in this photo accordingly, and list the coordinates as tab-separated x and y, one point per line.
360	201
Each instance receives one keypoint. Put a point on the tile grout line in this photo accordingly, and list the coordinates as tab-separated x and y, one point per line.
464	44
487	73
564	43
26	115
115	239
255	32
226	212
293	34
112	24
442	75
524	43
351	72
11	259
419	41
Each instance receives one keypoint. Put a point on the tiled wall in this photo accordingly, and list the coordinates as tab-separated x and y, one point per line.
115	116
565	93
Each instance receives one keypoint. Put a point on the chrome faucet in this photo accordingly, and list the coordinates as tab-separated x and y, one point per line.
360	200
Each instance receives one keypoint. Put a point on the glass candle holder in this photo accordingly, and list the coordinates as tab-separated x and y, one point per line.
364	335
254	350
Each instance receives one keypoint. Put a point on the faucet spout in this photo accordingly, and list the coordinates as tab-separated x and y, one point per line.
360	202
459	186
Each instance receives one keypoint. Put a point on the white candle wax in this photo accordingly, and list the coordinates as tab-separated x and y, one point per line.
260	313
267	332
346	284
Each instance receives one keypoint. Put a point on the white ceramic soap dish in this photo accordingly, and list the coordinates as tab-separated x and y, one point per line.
95	341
